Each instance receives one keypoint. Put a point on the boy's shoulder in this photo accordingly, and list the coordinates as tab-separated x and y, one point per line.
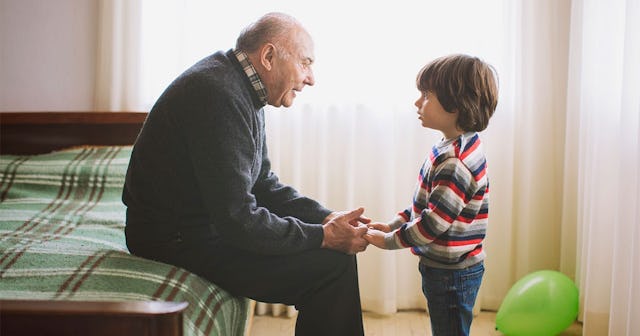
466	149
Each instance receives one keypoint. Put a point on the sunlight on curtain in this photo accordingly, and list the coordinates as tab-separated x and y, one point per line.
118	54
525	152
603	130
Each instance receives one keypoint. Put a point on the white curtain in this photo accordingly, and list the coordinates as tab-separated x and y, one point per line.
117	72
603	162
354	139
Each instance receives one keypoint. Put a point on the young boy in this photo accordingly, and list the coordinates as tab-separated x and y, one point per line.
447	220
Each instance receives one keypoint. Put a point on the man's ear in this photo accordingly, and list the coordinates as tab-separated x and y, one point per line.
267	55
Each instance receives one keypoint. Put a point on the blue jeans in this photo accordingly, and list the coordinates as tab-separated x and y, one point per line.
451	295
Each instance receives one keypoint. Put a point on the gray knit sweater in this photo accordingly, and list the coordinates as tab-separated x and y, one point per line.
200	161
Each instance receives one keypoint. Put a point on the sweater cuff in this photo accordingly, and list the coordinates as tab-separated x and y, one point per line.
396	223
391	242
322	214
315	235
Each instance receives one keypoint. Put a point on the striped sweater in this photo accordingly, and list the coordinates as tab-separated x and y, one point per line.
447	221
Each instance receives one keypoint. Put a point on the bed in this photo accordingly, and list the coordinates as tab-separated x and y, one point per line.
64	265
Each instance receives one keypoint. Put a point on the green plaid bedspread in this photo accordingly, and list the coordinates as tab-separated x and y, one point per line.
62	238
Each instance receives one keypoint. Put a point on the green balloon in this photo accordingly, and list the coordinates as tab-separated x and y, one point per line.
542	303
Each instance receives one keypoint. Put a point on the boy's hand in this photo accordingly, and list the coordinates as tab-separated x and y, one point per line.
375	237
380	227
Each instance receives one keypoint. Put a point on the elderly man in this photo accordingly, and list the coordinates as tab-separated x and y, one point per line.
200	192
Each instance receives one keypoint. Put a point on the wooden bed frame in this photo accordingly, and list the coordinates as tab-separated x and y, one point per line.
43	132
36	317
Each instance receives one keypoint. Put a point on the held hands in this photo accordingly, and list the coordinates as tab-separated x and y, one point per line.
375	234
380	227
344	231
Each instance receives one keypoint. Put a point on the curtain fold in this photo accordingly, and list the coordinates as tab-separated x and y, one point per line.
117	73
603	162
524	144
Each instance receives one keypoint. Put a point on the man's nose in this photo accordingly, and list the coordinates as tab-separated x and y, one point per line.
310	80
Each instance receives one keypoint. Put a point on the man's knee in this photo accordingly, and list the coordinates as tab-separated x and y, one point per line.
333	269
336	263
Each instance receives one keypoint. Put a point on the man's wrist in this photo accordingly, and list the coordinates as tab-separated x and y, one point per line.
329	217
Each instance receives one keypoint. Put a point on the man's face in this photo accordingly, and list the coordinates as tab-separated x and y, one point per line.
291	70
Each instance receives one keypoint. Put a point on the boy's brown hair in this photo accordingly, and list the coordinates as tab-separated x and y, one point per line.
465	84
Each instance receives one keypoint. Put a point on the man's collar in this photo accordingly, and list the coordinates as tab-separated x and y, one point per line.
255	80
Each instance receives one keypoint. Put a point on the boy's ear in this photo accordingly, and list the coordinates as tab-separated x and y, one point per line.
267	54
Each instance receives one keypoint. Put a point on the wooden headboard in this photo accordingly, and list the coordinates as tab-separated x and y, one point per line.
43	132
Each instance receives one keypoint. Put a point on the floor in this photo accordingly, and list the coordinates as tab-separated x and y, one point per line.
407	323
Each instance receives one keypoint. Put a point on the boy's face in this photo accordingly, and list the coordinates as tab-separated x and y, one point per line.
434	116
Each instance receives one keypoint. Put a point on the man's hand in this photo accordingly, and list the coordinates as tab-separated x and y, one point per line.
355	222
344	232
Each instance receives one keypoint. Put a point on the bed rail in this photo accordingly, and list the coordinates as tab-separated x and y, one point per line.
35	317
43	132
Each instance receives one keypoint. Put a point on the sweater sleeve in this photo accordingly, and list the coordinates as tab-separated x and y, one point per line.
283	200
452	189
400	218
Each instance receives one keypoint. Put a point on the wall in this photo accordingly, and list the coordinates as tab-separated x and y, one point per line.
47	54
